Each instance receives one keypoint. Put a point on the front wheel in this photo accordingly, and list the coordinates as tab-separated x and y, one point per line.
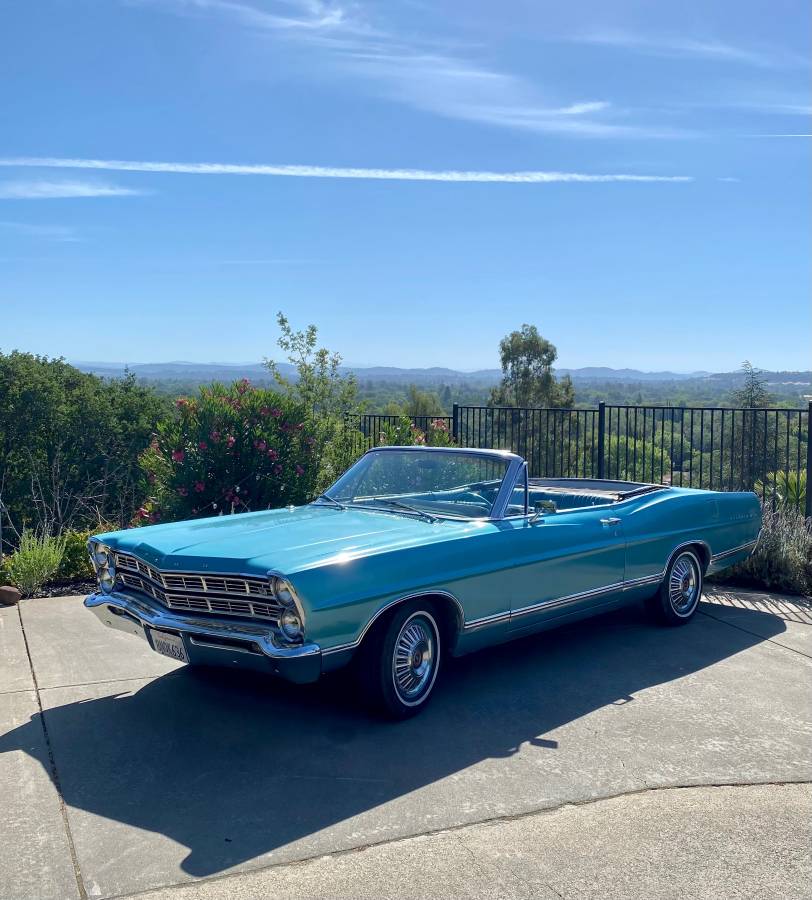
399	669
676	601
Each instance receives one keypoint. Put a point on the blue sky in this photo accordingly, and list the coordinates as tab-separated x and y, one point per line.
415	178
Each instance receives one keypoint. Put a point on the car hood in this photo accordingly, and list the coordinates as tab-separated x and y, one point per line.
286	540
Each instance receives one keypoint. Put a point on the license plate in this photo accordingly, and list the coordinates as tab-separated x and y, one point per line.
169	645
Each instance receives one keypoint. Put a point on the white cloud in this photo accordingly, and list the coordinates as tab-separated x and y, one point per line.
664	45
531	177
50	190
62	233
420	73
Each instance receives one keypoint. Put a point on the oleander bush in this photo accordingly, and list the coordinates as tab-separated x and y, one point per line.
35	561
783	557
230	449
404	433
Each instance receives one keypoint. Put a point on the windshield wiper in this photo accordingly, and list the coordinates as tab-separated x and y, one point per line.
331	500
404	506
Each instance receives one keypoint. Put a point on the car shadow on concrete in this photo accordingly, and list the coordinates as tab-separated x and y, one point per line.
233	766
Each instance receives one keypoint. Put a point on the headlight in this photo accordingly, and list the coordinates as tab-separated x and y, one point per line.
104	563
290	624
107	580
291	617
283	592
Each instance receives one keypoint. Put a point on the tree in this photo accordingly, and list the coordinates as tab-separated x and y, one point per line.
527	372
753	393
69	445
319	383
327	396
422	403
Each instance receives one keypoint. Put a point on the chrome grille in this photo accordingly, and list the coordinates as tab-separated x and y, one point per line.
222	594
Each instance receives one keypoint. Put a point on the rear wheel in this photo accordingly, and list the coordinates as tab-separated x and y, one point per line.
676	601
399	665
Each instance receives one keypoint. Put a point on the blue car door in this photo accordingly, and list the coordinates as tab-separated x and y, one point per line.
569	562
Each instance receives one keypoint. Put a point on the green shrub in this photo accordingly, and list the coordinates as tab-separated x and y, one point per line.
35	561
405	434
783	557
75	564
787	488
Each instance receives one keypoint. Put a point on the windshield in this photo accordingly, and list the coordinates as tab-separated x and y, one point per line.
423	482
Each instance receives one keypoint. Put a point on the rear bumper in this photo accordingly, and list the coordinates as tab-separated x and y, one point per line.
222	642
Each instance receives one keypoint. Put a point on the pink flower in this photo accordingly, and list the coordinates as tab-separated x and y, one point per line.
272	454
200	487
299	471
202	445
265	411
181	402
183	491
178	456
277	469
260	445
276	412
215	436
231	441
243	385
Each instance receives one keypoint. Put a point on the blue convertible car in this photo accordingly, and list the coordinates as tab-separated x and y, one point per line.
414	553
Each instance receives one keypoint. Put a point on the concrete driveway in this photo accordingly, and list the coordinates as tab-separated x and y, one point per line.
554	766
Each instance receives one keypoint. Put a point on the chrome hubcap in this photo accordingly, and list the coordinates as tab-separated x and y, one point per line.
415	657
683	585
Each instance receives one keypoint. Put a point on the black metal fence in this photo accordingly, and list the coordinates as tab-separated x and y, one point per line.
766	450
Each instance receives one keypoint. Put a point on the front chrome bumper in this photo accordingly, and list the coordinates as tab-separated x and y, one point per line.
210	641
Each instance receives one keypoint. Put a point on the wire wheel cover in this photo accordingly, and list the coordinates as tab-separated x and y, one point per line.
683	585
415	657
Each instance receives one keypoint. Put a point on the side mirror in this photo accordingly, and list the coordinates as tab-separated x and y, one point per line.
541	507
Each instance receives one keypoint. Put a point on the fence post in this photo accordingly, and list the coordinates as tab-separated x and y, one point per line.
455	422
601	439
808	511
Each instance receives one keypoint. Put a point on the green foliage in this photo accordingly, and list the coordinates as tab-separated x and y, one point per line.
527	372
404	434
35	561
638	460
783	557
326	398
231	449
319	385
75	564
787	488
753	393
69	444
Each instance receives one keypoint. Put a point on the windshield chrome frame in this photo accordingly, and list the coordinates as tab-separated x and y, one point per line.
514	468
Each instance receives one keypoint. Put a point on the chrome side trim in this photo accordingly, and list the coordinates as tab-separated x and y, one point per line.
427	593
643	581
495	619
750	545
567	600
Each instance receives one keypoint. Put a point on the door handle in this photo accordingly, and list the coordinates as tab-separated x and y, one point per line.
612	520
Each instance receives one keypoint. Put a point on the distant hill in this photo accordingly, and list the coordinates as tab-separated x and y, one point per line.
205	372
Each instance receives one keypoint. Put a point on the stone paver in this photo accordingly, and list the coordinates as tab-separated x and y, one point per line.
169	776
